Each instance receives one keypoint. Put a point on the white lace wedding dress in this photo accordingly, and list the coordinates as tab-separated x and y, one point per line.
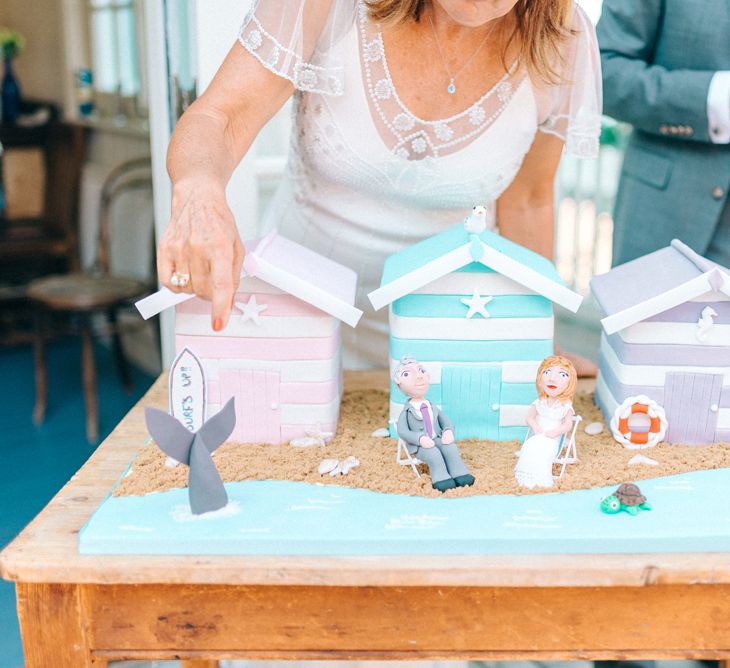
365	176
535	465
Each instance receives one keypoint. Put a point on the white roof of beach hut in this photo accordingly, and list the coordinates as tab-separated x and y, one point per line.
654	283
455	248
288	266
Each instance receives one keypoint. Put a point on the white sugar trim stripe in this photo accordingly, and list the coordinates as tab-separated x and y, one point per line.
465	282
513	415
663	302
163	299
277	327
425	274
607	398
651	375
158	301
681	333
530	278
520	372
723	418
295	371
476	328
510	415
512	372
253	285
307	292
309	413
711	297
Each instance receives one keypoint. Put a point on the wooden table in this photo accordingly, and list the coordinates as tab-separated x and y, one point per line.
77	611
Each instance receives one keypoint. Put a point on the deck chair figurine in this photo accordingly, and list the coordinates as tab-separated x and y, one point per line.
567	451
405	458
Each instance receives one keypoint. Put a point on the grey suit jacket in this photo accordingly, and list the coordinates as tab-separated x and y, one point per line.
411	425
658	57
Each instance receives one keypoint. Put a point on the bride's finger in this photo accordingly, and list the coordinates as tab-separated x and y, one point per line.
165	267
223	288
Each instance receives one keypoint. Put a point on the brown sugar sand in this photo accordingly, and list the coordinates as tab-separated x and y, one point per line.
602	461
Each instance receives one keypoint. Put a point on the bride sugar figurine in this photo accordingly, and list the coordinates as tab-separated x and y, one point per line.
549	417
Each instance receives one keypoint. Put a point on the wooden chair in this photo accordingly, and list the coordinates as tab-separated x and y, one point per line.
39	237
86	296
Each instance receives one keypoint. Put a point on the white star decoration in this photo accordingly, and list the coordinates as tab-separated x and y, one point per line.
476	304
251	311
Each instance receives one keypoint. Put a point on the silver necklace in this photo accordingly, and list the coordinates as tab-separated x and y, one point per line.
451	88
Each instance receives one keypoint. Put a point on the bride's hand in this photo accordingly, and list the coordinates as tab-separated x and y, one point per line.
201	242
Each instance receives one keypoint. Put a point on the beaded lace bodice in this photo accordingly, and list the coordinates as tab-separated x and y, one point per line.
365	176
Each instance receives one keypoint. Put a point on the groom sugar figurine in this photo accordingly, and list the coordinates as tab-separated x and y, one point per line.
426	431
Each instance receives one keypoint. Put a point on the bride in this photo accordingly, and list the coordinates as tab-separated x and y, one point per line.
550	417
407	113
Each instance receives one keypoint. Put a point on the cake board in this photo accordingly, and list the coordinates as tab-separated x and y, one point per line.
525	607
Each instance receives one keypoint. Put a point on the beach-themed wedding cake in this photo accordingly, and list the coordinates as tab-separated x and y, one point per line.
481	444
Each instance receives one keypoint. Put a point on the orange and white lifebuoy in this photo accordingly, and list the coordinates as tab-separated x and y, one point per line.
636	440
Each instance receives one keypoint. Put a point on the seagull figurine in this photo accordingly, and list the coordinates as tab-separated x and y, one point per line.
205	487
476	221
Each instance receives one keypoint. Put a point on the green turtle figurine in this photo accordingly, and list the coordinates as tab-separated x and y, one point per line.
627	497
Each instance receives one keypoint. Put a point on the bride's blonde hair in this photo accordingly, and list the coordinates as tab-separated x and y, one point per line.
566	365
540	28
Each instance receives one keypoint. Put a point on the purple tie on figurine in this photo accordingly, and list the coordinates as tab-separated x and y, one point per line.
205	487
427	420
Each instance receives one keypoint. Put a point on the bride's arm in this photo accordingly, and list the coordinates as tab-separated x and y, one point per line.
525	212
532	420
209	141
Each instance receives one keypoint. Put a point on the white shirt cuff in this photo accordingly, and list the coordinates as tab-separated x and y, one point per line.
718	108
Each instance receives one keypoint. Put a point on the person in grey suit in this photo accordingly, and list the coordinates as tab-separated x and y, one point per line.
666	70
426	431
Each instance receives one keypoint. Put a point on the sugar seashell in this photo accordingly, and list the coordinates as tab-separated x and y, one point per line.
381	433
338	470
593	428
327	465
349	463
642	459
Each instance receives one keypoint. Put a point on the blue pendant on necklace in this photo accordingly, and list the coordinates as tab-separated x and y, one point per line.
451	88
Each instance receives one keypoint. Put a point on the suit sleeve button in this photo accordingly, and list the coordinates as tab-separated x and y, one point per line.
718	192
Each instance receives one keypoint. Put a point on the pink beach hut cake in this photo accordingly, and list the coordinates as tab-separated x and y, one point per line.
666	337
279	355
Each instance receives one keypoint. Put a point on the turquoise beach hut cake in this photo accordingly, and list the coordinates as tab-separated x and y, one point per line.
477	311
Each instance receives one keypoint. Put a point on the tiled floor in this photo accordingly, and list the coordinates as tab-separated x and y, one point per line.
35	462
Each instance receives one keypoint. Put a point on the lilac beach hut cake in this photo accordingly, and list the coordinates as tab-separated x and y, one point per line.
476	310
279	355
666	335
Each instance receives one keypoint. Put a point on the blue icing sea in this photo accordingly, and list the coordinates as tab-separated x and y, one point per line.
691	513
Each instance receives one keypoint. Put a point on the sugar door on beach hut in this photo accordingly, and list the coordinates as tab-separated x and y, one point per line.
279	356
477	311
666	335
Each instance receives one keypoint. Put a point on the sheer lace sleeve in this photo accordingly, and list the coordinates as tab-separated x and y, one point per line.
295	39
571	109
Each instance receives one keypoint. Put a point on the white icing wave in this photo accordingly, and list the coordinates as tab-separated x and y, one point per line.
182	513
